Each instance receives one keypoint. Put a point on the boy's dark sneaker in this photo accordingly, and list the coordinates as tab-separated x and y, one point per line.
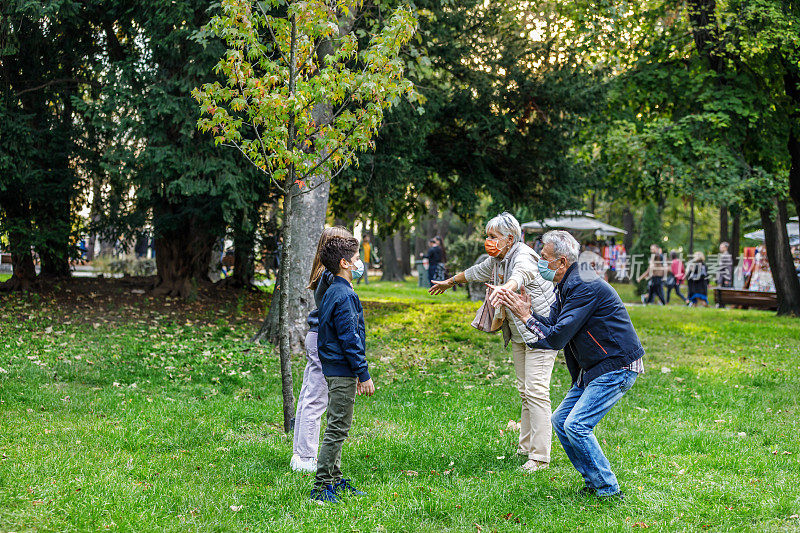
344	486
587	491
324	495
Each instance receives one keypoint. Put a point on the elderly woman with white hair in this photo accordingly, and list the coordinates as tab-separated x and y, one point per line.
513	265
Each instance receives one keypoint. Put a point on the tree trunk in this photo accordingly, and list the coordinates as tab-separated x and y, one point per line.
405	254
182	259
391	270
307	221
628	225
15	215
244	242
24	271
54	220
723	224
243	260
703	21
691	225
735	234
420	237
791	81
781	264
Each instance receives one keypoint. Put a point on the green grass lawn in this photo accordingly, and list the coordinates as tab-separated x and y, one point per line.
128	419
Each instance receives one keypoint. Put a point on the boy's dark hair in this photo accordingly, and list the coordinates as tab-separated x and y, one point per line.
336	249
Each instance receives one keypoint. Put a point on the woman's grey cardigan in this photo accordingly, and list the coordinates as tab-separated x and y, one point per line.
519	265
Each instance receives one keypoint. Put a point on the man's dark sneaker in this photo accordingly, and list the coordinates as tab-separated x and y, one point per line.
344	486
617	496
587	491
324	495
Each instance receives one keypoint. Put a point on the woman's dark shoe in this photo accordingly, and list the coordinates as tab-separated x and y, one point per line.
587	491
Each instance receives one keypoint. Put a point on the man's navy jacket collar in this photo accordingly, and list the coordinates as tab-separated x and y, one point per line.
567	274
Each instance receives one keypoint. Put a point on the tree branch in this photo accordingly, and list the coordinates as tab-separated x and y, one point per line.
272	33
264	170
52	82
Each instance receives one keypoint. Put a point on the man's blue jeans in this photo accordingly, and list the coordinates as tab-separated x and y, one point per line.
576	417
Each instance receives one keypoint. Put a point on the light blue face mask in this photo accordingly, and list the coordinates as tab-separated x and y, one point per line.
544	269
359	270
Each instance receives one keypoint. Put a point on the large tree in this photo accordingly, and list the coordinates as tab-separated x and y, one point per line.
299	102
191	189
46	66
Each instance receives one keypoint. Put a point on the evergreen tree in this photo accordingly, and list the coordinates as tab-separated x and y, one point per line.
649	234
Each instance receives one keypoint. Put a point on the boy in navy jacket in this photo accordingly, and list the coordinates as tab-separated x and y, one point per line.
342	353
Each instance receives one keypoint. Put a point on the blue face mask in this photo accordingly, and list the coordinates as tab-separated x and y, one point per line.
545	270
359	270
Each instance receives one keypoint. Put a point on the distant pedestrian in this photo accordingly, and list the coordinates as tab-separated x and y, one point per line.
675	276
725	272
656	270
697	276
435	256
366	247
441	272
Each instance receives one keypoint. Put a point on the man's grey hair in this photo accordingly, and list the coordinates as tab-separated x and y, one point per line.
505	224
564	245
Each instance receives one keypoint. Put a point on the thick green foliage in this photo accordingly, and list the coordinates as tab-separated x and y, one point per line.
44	70
501	107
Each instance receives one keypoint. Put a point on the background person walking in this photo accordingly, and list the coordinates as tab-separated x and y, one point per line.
656	270
697	276
675	276
366	253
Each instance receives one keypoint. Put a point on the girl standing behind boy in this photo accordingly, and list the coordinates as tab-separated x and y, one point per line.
313	399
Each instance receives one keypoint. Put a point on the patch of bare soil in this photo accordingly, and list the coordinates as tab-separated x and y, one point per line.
130	298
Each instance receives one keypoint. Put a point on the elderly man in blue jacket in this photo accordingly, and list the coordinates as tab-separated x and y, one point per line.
603	353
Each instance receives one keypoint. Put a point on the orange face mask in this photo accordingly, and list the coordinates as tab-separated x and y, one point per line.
491	247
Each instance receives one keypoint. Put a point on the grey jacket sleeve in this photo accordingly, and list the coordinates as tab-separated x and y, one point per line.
481	271
524	270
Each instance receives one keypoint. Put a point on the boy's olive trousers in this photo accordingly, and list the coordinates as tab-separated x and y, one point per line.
341	400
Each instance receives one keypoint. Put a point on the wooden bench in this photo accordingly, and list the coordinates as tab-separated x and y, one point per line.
745	298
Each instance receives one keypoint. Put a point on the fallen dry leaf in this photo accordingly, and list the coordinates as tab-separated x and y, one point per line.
236	508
